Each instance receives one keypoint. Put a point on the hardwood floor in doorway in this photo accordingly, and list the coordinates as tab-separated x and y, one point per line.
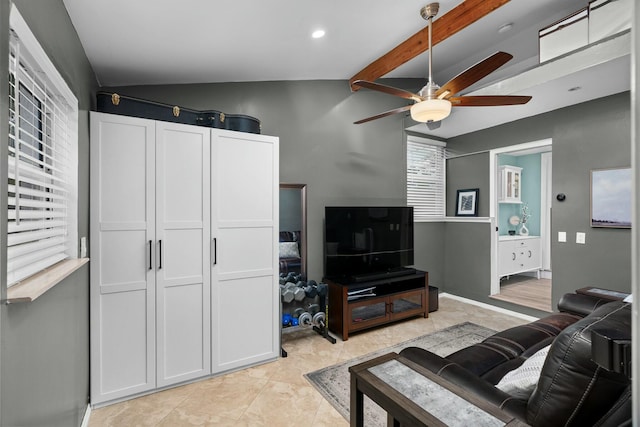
526	291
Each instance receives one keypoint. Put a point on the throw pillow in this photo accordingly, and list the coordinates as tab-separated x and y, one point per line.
521	382
289	250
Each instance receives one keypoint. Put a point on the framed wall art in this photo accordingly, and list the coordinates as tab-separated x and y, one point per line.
611	198
467	202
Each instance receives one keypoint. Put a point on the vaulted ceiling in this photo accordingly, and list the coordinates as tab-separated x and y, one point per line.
201	41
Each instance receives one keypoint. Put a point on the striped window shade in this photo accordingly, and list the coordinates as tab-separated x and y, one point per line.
426	177
42	167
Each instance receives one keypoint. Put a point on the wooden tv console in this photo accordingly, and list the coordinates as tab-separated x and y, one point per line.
394	298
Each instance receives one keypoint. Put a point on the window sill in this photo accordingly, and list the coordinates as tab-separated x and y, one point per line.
33	287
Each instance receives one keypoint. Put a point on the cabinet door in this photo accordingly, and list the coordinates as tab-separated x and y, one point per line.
244	215
510	183
506	258
530	255
182	272
367	313
407	304
122	270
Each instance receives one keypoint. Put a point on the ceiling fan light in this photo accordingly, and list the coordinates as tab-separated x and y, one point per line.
430	110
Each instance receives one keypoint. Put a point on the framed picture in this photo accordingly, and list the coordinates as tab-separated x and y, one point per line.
611	198
467	202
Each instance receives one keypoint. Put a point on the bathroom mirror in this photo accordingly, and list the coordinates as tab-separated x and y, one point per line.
293	228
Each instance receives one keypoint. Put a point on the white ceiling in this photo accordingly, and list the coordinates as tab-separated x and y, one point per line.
145	42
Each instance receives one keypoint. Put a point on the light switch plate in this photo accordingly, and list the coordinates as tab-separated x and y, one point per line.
580	238
562	236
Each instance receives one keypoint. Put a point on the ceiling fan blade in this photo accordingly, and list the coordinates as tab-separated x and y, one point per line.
385	114
474	74
389	90
458	18
488	100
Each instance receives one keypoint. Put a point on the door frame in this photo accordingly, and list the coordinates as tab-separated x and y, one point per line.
534	146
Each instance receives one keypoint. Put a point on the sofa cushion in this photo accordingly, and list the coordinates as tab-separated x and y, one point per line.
510	344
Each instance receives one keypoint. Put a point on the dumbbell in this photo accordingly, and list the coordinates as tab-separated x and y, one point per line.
291	278
299	294
322	289
313	308
305	319
287	292
318	319
310	290
286	319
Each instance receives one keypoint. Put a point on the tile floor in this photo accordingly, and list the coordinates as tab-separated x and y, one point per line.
276	393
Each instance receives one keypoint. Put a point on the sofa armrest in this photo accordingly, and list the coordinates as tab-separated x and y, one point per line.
461	377
580	304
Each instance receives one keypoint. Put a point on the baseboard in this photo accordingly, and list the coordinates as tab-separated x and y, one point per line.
87	415
490	307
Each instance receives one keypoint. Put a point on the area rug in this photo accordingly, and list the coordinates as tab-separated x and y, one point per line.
333	382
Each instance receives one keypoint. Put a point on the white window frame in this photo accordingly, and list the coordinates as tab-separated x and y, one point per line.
42	76
426	186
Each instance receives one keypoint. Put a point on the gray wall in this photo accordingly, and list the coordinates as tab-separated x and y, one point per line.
467	259
587	136
465	172
340	162
44	349
365	164
429	251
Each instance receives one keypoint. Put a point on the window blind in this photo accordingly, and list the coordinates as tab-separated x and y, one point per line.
41	162
426	177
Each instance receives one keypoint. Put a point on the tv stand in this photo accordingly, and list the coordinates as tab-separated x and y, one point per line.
392	299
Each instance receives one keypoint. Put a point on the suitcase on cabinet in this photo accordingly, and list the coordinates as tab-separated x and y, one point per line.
114	103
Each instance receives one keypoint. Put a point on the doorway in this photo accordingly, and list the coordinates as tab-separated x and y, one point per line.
521	208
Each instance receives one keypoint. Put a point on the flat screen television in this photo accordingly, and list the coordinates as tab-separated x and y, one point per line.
363	242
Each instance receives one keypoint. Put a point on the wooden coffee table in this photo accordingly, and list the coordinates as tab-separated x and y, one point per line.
414	396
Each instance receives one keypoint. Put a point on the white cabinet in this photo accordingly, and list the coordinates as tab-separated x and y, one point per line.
152	262
183	286
244	220
517	254
123	291
510	184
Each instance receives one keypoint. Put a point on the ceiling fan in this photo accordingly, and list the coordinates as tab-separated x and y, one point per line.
433	103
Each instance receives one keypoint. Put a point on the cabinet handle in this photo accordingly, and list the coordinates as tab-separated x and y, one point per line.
150	254
214	242
160	253
530	254
514	256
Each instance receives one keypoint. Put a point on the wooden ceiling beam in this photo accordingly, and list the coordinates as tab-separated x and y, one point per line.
461	16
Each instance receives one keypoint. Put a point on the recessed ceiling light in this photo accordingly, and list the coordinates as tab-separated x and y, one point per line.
505	27
317	34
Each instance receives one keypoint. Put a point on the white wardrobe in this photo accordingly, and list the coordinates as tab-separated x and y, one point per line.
184	263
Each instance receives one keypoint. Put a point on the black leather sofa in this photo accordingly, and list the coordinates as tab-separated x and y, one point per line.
571	389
